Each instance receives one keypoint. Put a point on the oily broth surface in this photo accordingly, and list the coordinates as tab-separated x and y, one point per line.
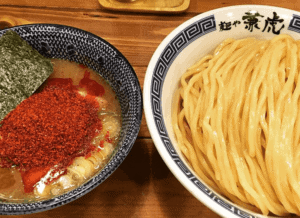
67	69
11	188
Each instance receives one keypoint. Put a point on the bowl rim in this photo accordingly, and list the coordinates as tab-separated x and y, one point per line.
149	116
120	154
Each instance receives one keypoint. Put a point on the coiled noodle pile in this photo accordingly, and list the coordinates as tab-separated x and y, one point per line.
236	120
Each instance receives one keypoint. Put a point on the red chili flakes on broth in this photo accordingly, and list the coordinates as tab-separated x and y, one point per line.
108	139
49	128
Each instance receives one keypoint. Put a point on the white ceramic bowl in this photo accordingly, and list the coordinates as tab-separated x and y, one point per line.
181	49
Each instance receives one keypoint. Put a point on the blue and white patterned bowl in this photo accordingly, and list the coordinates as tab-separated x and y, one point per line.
181	49
64	42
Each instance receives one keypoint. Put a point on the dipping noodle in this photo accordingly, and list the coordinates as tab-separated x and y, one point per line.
236	119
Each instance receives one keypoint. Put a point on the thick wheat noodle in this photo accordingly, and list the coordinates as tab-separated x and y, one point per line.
235	117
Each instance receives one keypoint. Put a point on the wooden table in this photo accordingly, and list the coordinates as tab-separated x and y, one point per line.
142	186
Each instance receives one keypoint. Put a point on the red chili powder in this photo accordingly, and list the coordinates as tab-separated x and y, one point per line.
50	127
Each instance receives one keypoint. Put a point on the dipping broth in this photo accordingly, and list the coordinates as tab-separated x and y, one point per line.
23	181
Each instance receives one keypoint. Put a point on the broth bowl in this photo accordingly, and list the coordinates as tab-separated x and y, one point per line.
69	43
182	48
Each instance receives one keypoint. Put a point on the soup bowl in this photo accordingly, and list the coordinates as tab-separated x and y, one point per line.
181	49
69	43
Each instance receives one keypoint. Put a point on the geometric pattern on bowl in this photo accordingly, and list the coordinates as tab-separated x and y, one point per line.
180	41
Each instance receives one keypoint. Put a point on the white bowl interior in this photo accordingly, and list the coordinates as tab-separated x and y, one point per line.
182	59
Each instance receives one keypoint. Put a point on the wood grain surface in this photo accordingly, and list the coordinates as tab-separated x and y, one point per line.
144	6
142	186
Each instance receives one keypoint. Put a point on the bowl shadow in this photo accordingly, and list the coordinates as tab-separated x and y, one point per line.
174	199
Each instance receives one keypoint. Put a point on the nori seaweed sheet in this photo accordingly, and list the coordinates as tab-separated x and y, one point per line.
22	71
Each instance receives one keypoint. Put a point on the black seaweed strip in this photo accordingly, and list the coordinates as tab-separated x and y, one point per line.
22	71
